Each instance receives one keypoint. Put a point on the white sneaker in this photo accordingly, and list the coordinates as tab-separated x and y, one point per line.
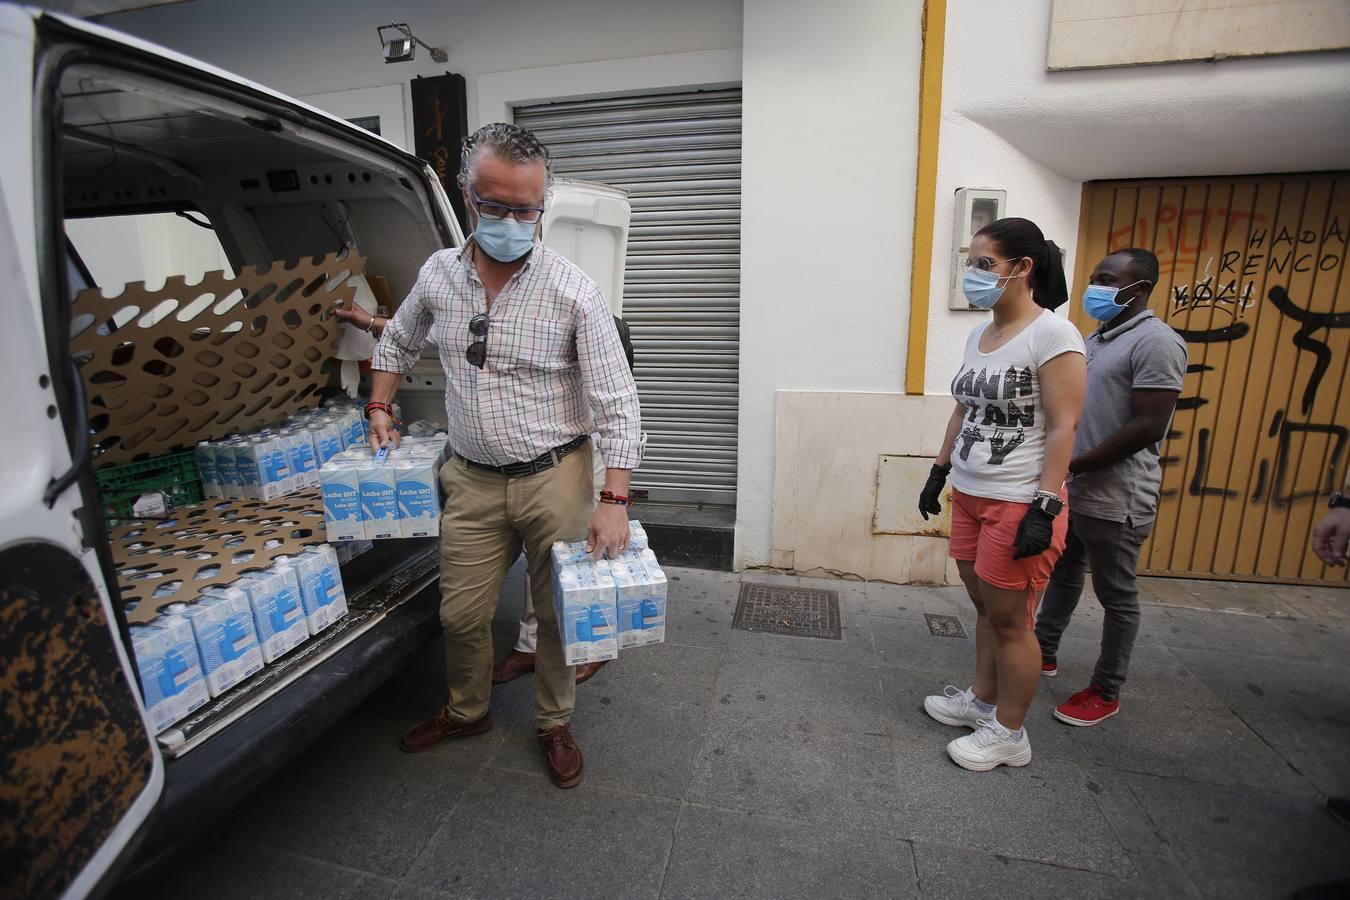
954	707
990	746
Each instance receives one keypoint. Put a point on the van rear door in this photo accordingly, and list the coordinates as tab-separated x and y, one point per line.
79	772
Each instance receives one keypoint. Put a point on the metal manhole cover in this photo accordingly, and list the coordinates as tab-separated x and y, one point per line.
944	626
798	612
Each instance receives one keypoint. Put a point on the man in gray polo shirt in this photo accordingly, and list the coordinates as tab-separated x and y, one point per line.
1136	364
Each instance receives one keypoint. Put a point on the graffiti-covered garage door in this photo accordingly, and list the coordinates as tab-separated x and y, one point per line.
1254	278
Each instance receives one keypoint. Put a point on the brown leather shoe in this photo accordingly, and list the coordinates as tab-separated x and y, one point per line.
425	735
562	755
586	670
516	664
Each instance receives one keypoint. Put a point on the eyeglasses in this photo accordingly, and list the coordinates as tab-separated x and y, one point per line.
491	210
476	352
984	263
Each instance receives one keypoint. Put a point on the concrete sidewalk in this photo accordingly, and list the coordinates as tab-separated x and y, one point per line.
733	764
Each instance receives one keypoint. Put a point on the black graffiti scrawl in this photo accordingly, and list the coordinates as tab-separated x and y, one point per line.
1310	322
1000	409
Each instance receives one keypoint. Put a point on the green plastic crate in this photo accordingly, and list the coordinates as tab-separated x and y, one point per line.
175	474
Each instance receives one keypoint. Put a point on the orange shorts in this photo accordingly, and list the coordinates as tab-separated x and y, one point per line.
983	531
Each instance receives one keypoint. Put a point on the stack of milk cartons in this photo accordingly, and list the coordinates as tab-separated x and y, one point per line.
394	494
273	595
641	588
226	636
172	681
318	574
585	602
273	462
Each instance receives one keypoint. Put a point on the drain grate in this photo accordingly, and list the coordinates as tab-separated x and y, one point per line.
944	626
798	612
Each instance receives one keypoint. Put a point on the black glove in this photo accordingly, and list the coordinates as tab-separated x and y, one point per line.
932	490
1034	534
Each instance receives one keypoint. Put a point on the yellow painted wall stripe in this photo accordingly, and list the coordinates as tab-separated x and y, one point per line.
925	191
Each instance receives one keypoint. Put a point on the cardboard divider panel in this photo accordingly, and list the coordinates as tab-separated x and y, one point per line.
166	368
213	543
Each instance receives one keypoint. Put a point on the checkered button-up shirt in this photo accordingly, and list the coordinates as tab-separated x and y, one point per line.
555	366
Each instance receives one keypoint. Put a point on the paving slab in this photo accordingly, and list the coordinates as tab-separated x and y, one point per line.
830	694
729	854
958	872
854	645
698	623
522	837
1245	842
880	598
219	869
907	643
1242	635
797	769
1045	812
1156	673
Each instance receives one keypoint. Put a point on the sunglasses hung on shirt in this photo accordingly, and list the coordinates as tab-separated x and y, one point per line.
476	352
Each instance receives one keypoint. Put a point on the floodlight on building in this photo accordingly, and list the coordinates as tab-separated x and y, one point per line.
402	46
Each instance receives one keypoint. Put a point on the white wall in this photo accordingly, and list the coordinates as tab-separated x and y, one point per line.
831	114
1008	123
322	48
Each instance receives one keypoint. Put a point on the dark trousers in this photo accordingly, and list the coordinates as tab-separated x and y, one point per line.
1112	550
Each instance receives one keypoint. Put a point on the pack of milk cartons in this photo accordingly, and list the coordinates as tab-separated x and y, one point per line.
368	496
585	602
172	681
273	462
641	588
321	594
227	638
278	608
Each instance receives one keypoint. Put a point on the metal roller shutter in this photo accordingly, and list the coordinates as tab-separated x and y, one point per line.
679	158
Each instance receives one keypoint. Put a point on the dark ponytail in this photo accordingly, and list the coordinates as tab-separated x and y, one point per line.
1021	237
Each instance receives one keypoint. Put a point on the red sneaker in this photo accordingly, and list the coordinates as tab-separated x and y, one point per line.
1087	707
1049	668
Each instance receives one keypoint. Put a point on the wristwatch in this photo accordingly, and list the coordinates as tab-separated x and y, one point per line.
1048	503
1339	500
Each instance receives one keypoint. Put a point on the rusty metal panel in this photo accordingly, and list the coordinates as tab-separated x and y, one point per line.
1253	277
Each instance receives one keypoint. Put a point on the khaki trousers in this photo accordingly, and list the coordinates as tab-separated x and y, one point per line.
487	521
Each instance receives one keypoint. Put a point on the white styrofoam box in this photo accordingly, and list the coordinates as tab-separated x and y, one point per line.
585	603
227	638
172	682
278	611
642	591
587	223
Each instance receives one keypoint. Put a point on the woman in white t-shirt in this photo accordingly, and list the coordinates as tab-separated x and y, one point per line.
1018	394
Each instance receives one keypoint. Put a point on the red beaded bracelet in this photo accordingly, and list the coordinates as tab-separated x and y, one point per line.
385	408
615	499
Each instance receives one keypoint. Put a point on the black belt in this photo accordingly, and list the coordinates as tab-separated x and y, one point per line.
534	466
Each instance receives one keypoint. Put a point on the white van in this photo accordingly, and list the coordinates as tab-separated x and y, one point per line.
102	125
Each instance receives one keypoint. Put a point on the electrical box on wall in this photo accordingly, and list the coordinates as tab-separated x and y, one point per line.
975	208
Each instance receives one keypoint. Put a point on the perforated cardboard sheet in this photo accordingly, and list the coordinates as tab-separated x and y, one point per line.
166	368
213	543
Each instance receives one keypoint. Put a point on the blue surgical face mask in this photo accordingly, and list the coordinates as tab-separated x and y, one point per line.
982	289
1099	301
505	240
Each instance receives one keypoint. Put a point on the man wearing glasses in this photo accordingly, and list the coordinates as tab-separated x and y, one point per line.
533	365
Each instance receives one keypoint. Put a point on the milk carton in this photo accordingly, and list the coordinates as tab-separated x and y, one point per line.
304	462
637	536
379	501
341	485
231	487
327	439
584	600
353	427
206	467
418	511
250	475
226	637
328	602
278	611
568	554
170	669
641	590
274	467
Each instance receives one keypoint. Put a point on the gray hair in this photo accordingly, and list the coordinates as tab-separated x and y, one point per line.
509	142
